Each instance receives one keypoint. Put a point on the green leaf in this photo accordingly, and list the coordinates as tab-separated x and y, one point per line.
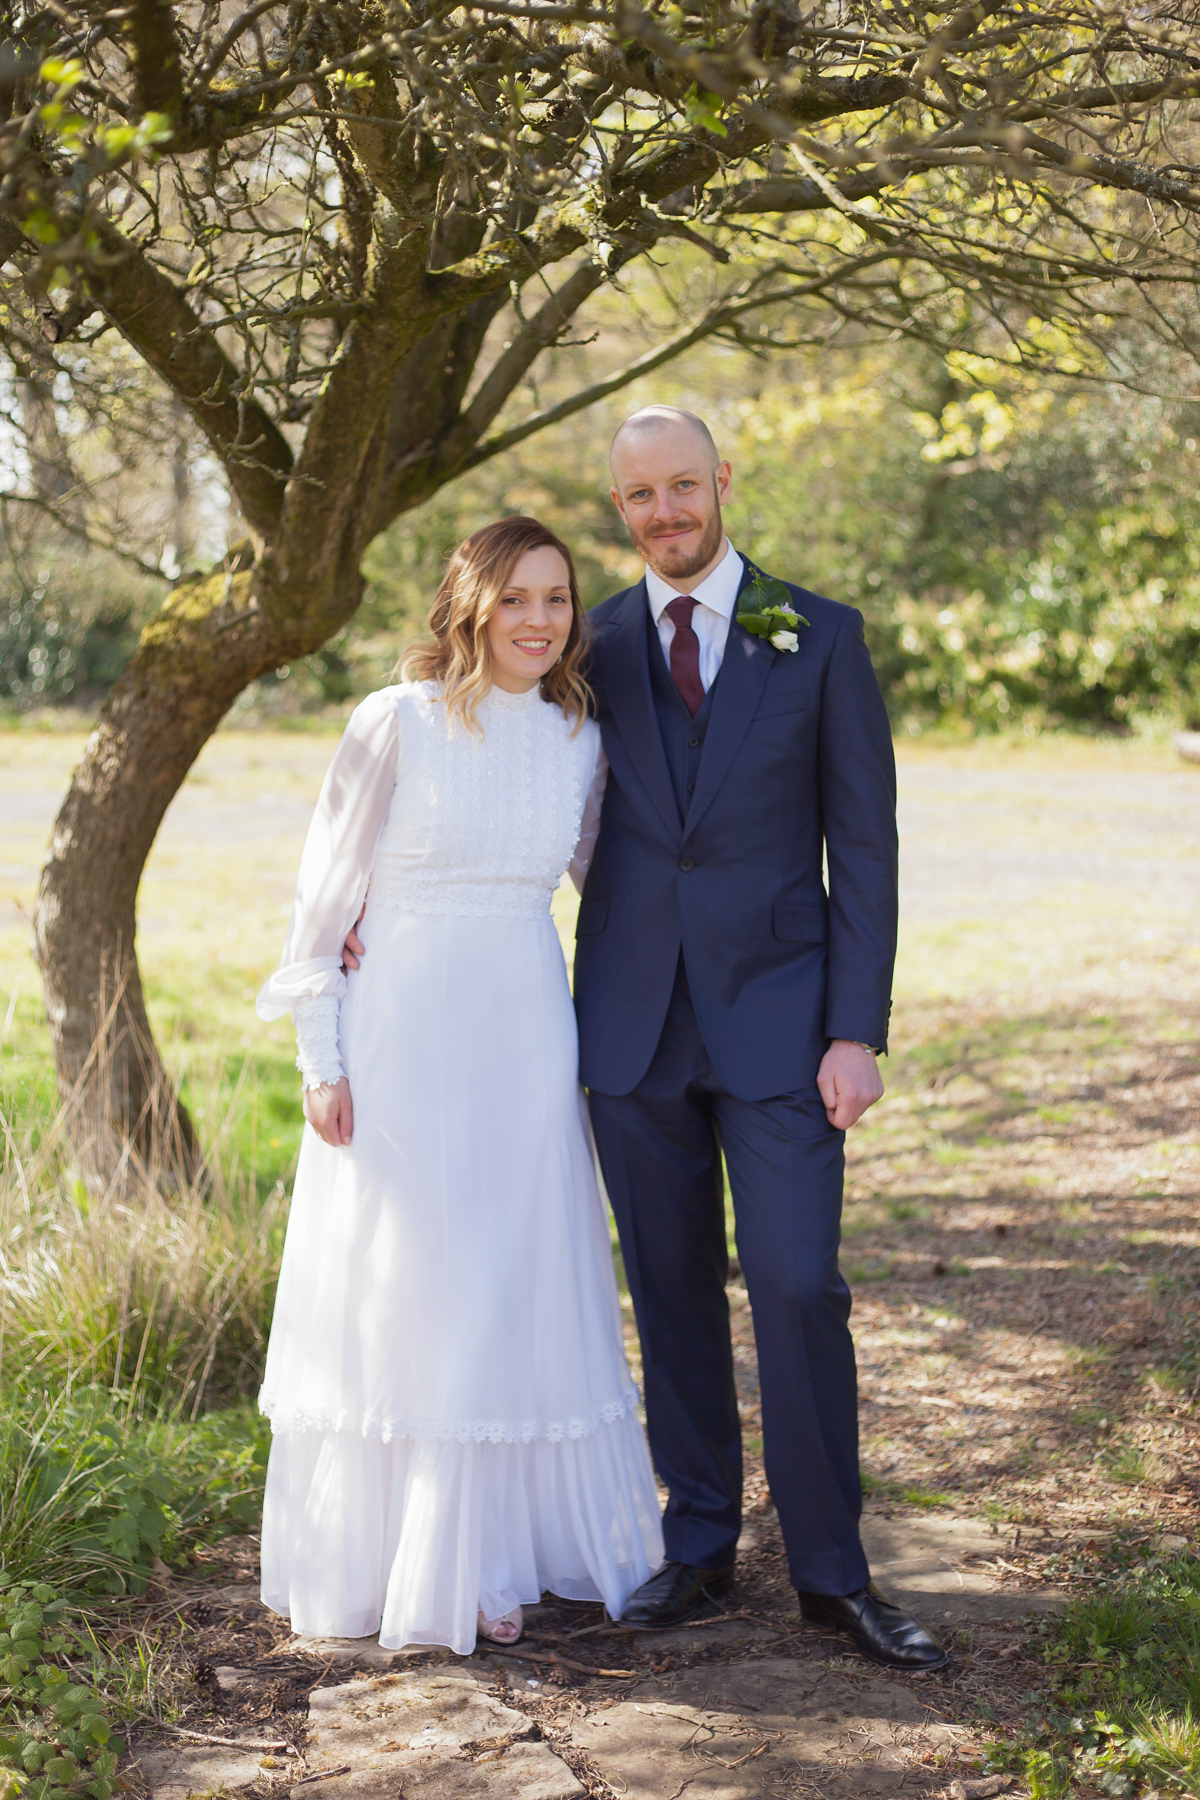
765	592
41	227
155	128
63	73
765	606
701	110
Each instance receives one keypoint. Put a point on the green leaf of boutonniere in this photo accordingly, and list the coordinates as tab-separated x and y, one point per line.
765	610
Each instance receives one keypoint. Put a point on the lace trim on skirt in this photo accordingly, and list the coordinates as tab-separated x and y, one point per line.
474	1431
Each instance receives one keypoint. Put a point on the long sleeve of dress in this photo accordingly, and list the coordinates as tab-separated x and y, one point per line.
334	872
589	825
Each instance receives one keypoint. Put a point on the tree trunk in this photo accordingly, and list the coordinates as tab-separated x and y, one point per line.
214	636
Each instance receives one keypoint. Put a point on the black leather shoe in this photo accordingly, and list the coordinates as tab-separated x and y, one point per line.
677	1592
878	1627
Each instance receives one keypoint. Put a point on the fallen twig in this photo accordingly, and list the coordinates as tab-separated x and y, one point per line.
750	1756
225	1743
323	1775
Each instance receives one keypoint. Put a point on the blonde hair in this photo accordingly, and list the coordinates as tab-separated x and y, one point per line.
458	654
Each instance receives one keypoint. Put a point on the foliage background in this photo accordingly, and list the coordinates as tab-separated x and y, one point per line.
1025	550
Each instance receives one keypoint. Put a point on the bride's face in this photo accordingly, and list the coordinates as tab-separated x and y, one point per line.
529	628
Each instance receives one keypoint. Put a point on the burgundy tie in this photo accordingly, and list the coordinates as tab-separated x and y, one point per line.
685	653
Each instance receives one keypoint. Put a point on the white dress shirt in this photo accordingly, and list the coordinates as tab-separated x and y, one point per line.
716	598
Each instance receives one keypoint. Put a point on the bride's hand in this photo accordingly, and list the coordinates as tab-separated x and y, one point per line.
330	1111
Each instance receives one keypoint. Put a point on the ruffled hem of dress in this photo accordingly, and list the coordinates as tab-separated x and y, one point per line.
412	1539
474	1431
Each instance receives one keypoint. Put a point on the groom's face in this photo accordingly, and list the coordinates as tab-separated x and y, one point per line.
669	492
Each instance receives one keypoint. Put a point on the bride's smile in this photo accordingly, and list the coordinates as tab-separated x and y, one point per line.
528	628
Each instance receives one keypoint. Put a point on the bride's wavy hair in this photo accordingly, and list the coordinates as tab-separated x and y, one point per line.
458	654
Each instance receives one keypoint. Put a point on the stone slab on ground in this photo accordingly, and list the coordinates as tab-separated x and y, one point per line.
173	1771
935	1565
432	1736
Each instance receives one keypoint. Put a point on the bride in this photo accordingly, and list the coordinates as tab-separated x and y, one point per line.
454	1428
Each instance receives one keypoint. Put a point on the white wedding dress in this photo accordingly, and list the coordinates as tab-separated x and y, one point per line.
454	1426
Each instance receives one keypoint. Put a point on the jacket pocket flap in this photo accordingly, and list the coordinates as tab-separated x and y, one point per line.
593	917
788	706
799	924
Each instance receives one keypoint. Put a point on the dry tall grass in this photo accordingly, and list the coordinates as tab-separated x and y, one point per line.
156	1283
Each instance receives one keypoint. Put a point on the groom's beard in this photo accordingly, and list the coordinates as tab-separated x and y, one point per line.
679	562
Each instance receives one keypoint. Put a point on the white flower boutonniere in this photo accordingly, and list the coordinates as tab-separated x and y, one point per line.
766	611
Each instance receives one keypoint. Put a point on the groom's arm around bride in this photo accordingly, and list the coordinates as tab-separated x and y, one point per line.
731	999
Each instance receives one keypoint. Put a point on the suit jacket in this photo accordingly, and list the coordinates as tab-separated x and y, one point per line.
797	766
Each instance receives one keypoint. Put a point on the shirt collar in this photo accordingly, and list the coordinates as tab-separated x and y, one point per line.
718	591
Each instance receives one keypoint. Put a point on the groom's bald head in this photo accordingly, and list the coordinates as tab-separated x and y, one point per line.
669	484
669	420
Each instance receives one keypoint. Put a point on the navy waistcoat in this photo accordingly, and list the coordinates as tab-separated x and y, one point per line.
682	735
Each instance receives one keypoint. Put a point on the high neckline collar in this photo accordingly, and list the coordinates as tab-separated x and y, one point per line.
514	702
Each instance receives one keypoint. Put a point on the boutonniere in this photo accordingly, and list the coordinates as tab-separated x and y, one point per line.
765	610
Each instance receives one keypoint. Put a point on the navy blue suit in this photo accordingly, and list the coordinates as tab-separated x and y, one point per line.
712	969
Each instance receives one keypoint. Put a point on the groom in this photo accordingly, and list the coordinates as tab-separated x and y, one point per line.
728	1004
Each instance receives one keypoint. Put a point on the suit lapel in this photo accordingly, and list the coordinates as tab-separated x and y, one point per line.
627	685
744	669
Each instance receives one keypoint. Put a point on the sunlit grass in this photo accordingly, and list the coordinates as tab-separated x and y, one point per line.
1123	1710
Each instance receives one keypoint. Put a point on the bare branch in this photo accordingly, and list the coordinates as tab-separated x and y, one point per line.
153	315
716	318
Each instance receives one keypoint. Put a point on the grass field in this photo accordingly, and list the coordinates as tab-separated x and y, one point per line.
1052	879
1022	1230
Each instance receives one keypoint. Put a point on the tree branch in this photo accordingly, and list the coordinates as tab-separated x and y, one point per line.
689	164
153	315
90	534
717	318
155	55
432	458
547	324
793	194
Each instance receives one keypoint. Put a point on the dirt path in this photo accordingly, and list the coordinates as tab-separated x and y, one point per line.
1022	1238
744	1702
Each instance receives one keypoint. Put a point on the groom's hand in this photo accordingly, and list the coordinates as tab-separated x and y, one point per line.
353	948
848	1081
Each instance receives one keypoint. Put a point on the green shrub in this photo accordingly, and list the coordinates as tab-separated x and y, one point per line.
91	1501
69	627
55	1742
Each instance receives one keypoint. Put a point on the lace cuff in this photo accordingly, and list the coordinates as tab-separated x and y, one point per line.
319	1058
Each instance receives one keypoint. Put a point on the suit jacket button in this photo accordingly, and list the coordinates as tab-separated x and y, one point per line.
693	741
687	864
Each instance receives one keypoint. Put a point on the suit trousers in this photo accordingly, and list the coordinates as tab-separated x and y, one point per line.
660	1150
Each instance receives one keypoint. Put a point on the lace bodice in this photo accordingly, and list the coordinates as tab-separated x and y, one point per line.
482	828
420	813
